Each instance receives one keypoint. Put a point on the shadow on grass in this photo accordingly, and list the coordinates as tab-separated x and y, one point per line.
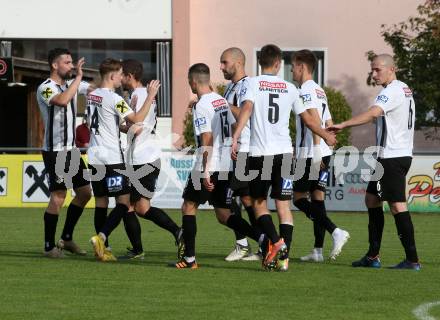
167	258
152	259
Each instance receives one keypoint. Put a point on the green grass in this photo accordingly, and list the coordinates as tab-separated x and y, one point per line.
33	287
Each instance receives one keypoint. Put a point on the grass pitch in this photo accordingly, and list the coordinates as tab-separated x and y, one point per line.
34	287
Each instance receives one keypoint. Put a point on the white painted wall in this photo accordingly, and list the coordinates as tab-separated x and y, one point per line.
86	19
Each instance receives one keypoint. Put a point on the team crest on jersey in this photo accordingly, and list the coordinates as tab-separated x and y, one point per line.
382	98
47	93
122	106
408	92
200	122
306	98
320	94
242	91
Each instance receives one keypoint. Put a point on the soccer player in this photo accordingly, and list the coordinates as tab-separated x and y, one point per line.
394	114
232	62
212	119
105	110
57	97
268	100
312	150
143	152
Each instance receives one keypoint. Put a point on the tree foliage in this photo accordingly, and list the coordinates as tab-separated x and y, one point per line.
416	46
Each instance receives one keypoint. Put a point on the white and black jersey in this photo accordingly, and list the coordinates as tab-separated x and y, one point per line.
144	149
212	114
395	128
59	122
273	99
105	109
313	96
232	95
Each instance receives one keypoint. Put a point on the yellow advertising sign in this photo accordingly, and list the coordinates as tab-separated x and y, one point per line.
23	182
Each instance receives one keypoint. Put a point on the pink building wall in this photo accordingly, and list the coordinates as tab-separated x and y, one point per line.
346	28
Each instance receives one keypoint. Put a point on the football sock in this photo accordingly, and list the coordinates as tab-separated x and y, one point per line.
238	223
286	232
267	226
72	217
99	220
375	230
189	226
160	218
405	231
251	214
133	230
236	210
114	218
320	215
319	233
50	227
305	206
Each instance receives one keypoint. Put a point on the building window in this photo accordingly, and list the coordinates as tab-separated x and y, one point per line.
320	74
155	56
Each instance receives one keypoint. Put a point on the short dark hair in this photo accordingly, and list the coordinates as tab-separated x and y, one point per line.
109	65
307	57
199	71
55	53
134	67
269	54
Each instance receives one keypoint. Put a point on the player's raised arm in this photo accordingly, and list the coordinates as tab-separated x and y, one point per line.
63	99
140	115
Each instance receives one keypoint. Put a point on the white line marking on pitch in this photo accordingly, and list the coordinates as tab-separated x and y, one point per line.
422	311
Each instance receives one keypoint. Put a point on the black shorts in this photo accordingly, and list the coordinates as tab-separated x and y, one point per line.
148	181
240	187
113	184
304	183
57	182
392	186
277	176
220	197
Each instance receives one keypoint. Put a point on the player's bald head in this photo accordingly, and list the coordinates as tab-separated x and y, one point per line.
199	73
385	60
383	69
236	55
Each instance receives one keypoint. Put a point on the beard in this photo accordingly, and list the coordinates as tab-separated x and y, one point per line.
67	75
227	75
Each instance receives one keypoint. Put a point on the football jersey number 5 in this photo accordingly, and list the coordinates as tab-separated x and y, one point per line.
273	114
